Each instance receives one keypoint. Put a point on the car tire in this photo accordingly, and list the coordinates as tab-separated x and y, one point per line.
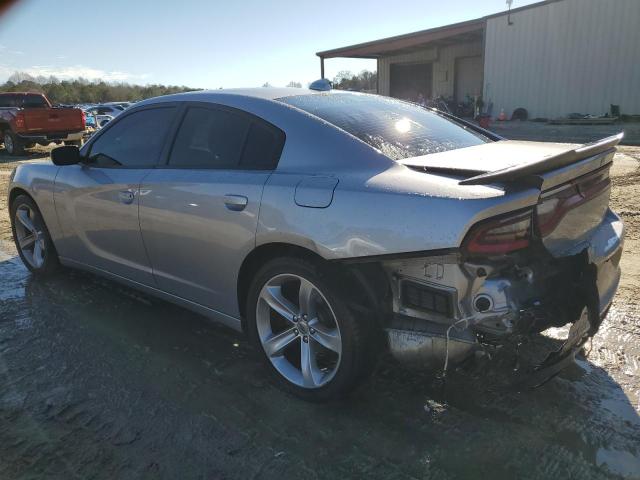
32	237
332	344
12	144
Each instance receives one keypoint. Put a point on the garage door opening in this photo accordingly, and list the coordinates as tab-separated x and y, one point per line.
468	78
408	81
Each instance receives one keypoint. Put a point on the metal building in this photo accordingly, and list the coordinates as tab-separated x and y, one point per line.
553	58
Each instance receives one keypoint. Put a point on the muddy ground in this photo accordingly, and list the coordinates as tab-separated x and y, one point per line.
99	381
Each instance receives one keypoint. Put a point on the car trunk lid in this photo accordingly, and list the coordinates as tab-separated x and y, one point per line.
512	161
573	181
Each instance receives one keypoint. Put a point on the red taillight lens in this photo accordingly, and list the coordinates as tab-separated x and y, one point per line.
553	208
19	119
84	119
500	235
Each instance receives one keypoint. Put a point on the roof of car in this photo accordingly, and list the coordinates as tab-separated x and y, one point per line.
264	93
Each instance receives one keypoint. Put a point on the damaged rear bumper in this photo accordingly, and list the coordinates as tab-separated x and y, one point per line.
445	308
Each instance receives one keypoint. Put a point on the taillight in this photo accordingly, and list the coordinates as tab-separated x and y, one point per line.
19	120
500	235
84	119
553	208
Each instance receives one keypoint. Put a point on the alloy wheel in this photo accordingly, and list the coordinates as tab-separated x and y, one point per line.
298	331
29	236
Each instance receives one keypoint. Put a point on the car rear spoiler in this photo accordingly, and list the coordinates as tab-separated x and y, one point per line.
521	172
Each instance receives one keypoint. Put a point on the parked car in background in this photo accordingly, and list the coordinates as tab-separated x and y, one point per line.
98	120
27	119
323	222
112	110
124	105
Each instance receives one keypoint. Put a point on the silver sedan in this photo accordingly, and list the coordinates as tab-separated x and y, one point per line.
330	226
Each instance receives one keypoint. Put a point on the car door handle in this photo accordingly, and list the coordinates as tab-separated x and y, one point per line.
235	202
127	196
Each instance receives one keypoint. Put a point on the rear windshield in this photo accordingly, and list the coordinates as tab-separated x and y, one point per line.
398	129
23	101
8	101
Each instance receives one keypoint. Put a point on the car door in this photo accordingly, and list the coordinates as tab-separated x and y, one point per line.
97	200
199	212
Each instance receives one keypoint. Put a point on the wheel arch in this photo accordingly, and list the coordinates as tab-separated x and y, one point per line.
16	192
261	255
364	283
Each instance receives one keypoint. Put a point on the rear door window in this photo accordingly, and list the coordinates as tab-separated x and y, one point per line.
134	141
222	138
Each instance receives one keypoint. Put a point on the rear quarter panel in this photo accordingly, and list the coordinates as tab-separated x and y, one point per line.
380	213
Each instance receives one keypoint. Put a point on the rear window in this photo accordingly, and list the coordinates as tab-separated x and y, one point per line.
23	101
395	128
8	101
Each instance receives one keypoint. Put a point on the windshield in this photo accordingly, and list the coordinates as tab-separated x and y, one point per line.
398	129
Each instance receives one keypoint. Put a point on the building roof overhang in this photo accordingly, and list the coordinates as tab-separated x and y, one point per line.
440	36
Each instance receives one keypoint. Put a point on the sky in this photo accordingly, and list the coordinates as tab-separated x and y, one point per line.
209	44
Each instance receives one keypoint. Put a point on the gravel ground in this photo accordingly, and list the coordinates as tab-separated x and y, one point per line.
99	381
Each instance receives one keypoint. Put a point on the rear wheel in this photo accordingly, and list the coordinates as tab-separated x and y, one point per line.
304	331
32	237
12	144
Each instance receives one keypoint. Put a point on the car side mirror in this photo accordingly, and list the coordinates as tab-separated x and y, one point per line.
66	155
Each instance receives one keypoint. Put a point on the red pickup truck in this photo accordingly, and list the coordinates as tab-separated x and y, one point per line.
29	118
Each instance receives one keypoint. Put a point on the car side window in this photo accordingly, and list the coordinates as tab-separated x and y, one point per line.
263	148
134	141
223	139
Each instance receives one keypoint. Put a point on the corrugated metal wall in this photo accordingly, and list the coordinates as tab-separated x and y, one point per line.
564	57
443	60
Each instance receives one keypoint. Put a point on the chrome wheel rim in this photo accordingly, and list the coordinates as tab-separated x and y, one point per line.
8	143
298	331
29	236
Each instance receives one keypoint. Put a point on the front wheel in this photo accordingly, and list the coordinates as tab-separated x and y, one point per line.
31	236
304	331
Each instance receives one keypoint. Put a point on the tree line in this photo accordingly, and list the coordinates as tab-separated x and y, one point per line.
365	81
84	91
80	90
